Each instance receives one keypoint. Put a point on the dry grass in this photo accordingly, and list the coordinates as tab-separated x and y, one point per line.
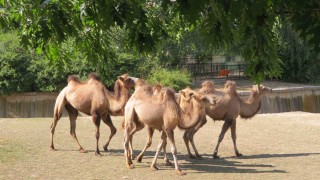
275	146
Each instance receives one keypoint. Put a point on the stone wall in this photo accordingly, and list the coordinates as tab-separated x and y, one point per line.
27	105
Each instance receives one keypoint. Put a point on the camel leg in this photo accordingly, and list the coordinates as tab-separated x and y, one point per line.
224	129
186	141
126	148
148	144
193	145
131	146
193	132
113	130
160	145
56	118
96	120
73	114
170	135
165	158
234	138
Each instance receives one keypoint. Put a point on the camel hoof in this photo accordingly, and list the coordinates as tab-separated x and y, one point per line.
192	157
105	148
239	155
82	150
139	159
215	156
97	153
52	149
180	173
154	168
131	166
168	163
199	157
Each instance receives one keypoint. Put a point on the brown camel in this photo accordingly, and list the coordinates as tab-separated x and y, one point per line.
229	106
195	106
147	91
164	116
91	98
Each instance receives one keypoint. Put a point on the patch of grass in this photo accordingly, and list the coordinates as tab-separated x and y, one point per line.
11	151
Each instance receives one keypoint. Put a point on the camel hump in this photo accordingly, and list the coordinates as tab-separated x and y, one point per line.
167	93
94	76
73	78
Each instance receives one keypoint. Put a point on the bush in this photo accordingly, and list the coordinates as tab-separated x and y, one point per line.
24	71
176	79
14	60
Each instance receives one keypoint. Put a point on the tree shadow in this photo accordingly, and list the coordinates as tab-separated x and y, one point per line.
257	156
112	152
227	164
230	164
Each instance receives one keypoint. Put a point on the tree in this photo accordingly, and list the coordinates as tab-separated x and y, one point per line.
45	25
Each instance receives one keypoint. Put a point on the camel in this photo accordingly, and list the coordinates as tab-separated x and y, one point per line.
91	98
187	104
148	90
228	106
165	115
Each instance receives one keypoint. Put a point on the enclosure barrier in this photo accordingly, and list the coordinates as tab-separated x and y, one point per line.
216	70
26	105
306	99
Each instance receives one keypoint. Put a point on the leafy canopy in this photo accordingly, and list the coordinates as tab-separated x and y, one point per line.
45	25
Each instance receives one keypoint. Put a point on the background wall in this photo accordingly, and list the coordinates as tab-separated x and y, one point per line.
26	105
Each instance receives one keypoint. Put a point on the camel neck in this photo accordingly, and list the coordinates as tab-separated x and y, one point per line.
119	99
250	107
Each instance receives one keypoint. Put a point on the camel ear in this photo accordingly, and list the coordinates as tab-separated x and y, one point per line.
121	78
255	86
183	93
196	98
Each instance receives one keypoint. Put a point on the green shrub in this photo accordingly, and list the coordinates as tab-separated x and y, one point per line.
176	79
14	60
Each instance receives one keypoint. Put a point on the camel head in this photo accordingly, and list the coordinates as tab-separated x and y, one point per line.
186	94
261	89
230	87
207	87
127	81
204	100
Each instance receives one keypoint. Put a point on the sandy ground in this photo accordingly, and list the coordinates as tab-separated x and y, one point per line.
275	146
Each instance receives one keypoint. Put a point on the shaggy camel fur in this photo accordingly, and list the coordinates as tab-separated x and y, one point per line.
165	115
229	106
91	98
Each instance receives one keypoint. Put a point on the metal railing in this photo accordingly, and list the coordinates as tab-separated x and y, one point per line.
216	70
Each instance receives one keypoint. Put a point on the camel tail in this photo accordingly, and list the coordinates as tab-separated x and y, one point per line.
60	102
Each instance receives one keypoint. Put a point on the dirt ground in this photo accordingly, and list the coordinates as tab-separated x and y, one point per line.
275	146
